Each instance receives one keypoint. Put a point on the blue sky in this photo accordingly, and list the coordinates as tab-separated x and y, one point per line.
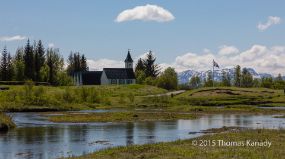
201	28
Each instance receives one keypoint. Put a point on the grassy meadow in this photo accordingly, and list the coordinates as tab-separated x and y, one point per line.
47	98
218	100
184	149
134	97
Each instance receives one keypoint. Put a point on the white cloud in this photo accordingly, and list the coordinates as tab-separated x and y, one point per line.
104	63
270	21
227	50
145	13
262	58
12	38
51	45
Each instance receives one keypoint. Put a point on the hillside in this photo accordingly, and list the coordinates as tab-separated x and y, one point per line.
231	96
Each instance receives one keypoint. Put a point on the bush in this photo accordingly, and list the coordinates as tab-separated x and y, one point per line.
168	79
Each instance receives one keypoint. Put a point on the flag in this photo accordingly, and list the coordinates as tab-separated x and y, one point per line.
215	64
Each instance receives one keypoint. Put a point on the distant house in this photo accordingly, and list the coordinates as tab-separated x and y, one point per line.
108	75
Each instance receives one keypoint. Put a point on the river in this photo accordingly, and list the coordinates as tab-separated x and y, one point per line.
37	138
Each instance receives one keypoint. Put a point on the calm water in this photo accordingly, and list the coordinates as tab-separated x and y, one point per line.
37	138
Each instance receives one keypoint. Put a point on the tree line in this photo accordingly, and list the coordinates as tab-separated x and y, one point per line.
34	62
147	71
242	78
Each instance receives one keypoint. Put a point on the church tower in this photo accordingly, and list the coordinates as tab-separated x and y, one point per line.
129	61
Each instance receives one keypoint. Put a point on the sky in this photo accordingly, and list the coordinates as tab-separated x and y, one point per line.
185	34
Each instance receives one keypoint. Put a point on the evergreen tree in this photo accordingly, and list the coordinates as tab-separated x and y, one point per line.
226	79
39	52
19	66
246	78
139	65
237	76
151	69
71	65
29	61
140	72
55	65
76	62
83	63
10	68
4	64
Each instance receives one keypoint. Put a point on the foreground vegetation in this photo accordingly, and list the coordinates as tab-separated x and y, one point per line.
183	149
119	117
6	122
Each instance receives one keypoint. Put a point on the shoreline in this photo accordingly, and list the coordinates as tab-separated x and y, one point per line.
256	144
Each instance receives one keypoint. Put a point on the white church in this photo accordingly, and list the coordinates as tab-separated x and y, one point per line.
108	75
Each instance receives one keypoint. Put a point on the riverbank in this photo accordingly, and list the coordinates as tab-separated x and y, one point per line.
6	122
119	117
189	149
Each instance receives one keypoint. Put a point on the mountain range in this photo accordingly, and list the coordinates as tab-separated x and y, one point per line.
185	76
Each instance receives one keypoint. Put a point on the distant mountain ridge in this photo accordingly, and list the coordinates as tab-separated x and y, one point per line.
185	76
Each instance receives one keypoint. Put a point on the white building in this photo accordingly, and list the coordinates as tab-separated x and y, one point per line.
108	75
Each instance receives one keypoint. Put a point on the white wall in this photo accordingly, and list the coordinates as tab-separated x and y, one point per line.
104	79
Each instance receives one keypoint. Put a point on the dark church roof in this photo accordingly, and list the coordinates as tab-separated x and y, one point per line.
119	73
91	77
129	58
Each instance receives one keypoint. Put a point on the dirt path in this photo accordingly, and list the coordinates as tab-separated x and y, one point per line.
173	93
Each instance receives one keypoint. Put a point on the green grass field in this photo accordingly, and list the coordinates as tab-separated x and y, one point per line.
184	149
45	98
220	99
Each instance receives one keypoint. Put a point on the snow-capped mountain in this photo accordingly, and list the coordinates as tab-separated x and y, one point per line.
185	76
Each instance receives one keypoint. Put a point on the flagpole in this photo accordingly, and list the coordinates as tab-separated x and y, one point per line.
213	73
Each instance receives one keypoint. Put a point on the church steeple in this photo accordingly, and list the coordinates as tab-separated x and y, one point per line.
129	61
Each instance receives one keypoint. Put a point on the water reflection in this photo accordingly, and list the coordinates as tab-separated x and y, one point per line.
37	138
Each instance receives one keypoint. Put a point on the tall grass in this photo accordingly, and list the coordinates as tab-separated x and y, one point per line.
6	122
